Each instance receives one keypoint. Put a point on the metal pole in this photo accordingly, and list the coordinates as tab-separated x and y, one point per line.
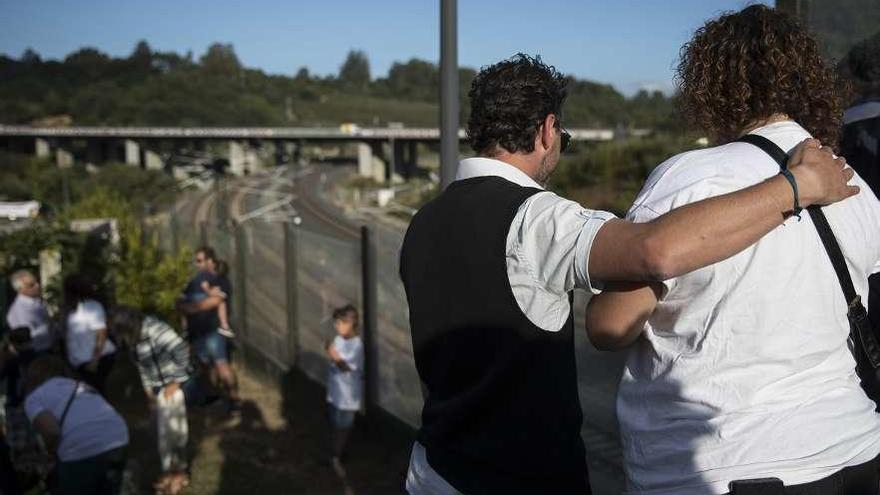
369	293
449	110
175	234
241	251
290	272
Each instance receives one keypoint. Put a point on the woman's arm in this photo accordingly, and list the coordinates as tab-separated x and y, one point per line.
47	426
616	317
702	233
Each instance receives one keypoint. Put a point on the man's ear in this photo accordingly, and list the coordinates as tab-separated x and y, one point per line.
547	132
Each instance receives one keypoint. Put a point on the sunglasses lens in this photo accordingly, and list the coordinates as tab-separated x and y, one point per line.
566	140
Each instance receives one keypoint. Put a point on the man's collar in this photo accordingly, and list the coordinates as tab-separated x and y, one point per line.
28	299
482	167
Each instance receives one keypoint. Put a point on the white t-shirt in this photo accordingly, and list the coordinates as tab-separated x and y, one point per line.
31	312
91	426
82	327
744	370
345	389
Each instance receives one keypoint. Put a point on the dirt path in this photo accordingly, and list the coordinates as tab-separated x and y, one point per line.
278	446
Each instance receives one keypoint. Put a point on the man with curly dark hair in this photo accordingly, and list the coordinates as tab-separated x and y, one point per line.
489	268
743	368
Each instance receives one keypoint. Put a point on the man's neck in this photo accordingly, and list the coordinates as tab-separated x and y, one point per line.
28	298
523	163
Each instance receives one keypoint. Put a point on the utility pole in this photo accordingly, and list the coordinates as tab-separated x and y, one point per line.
449	105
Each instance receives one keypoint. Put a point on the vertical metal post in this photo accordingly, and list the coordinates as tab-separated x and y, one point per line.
203	233
291	286
449	104
175	234
369	323
241	250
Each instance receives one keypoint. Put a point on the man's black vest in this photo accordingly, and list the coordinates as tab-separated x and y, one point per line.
502	413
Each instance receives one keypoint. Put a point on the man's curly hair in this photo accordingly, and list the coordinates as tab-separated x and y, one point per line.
743	67
510	100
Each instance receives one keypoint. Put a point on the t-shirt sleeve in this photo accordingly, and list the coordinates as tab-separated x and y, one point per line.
97	317
35	403
644	213
552	237
14	318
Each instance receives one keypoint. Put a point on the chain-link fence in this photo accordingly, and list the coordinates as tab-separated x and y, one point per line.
288	280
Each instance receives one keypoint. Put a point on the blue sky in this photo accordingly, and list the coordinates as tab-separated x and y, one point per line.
627	43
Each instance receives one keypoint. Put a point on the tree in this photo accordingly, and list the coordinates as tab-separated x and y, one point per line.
355	71
415	79
141	58
302	75
220	60
30	57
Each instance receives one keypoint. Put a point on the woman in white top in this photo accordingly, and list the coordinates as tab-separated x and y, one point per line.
82	432
89	351
742	370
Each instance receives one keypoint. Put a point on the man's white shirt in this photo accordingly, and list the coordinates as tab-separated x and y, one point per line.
547	253
31	312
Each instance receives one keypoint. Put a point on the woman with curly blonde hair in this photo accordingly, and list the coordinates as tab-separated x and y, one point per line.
742	370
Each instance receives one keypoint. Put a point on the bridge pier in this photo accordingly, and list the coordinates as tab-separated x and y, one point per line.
42	148
408	159
236	158
365	160
132	153
397	162
63	157
153	160
370	165
254	152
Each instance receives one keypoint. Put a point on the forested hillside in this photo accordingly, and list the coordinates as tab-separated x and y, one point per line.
150	87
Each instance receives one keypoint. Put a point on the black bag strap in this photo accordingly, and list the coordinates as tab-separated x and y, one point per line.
67	406
855	308
155	360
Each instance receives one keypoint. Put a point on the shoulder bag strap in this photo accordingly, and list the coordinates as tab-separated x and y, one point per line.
67	406
856	310
155	360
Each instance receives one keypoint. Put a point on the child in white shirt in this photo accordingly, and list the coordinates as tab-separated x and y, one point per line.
344	379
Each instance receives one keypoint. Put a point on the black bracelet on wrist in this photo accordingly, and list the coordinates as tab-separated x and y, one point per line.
796	211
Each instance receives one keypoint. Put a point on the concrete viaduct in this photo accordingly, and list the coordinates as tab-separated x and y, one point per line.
142	146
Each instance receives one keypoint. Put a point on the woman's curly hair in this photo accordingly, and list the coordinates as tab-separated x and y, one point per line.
743	67
510	100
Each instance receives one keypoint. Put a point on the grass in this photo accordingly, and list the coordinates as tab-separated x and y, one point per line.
278	446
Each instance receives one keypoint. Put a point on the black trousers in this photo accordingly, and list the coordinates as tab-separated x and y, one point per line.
862	479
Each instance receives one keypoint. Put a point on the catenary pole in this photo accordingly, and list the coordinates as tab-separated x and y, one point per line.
449	104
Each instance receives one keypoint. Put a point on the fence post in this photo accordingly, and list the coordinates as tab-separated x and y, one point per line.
290	275
369	293
241	250
175	235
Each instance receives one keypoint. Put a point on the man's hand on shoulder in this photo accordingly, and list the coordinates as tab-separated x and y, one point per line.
822	178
